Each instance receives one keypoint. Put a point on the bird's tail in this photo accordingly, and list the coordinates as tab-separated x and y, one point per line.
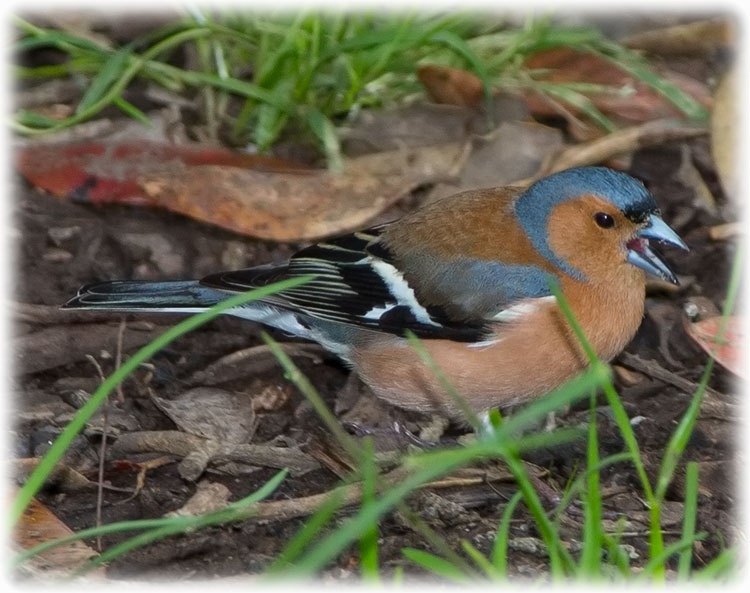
133	295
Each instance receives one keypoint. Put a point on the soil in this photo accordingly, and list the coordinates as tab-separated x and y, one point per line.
61	245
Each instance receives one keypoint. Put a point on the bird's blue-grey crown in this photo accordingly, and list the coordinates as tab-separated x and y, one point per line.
534	205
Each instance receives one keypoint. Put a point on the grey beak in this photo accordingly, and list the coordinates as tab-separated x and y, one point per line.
641	255
659	230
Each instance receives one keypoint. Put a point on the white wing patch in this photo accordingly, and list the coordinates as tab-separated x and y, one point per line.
400	290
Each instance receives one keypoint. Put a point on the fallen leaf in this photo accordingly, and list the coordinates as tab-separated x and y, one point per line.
63	477
266	201
208	498
38	525
728	351
639	104
224	416
451	86
308	206
419	124
643	103
101	172
515	150
699	38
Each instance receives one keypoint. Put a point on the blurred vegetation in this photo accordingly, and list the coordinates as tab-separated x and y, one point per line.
259	76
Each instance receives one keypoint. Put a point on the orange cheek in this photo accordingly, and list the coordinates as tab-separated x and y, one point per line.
574	236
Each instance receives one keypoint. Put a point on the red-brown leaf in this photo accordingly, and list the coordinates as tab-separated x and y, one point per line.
100	172
728	350
450	86
258	196
644	104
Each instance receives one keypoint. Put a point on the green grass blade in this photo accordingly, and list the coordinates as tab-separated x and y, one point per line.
132	111
480	560
324	130
62	443
723	566
368	543
461	403
578	483
656	566
429	466
30	119
302	383
678	441
436	565
690	513
591	554
561	561
581	102
458	45
135	66
689	106
123	526
112	69
234	512
500	547
311	529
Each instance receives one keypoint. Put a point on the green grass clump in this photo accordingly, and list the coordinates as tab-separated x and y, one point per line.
261	75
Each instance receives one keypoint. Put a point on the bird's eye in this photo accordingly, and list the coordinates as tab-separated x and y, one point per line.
604	220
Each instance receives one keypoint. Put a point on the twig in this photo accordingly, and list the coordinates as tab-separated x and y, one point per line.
118	358
102	454
655	370
729	230
617	143
178	443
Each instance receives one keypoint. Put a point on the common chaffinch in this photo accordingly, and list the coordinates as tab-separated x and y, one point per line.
467	274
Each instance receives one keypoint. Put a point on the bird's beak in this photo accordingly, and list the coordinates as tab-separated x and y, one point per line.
639	250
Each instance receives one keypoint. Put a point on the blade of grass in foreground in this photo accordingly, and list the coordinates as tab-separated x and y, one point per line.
590	563
678	442
241	509
62	443
461	404
303	384
368	543
432	465
437	565
689	519
656	542
235	511
500	547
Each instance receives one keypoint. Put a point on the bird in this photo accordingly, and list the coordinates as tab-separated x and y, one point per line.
469	275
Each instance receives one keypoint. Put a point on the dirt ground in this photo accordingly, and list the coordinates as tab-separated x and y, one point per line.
61	245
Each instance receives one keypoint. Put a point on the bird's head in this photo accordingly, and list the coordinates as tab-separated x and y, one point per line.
590	221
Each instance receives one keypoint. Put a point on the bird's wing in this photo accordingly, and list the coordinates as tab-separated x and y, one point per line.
356	282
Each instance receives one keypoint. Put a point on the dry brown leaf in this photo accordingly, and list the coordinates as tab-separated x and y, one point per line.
644	104
451	86
209	497
38	525
300	206
249	194
211	413
687	39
